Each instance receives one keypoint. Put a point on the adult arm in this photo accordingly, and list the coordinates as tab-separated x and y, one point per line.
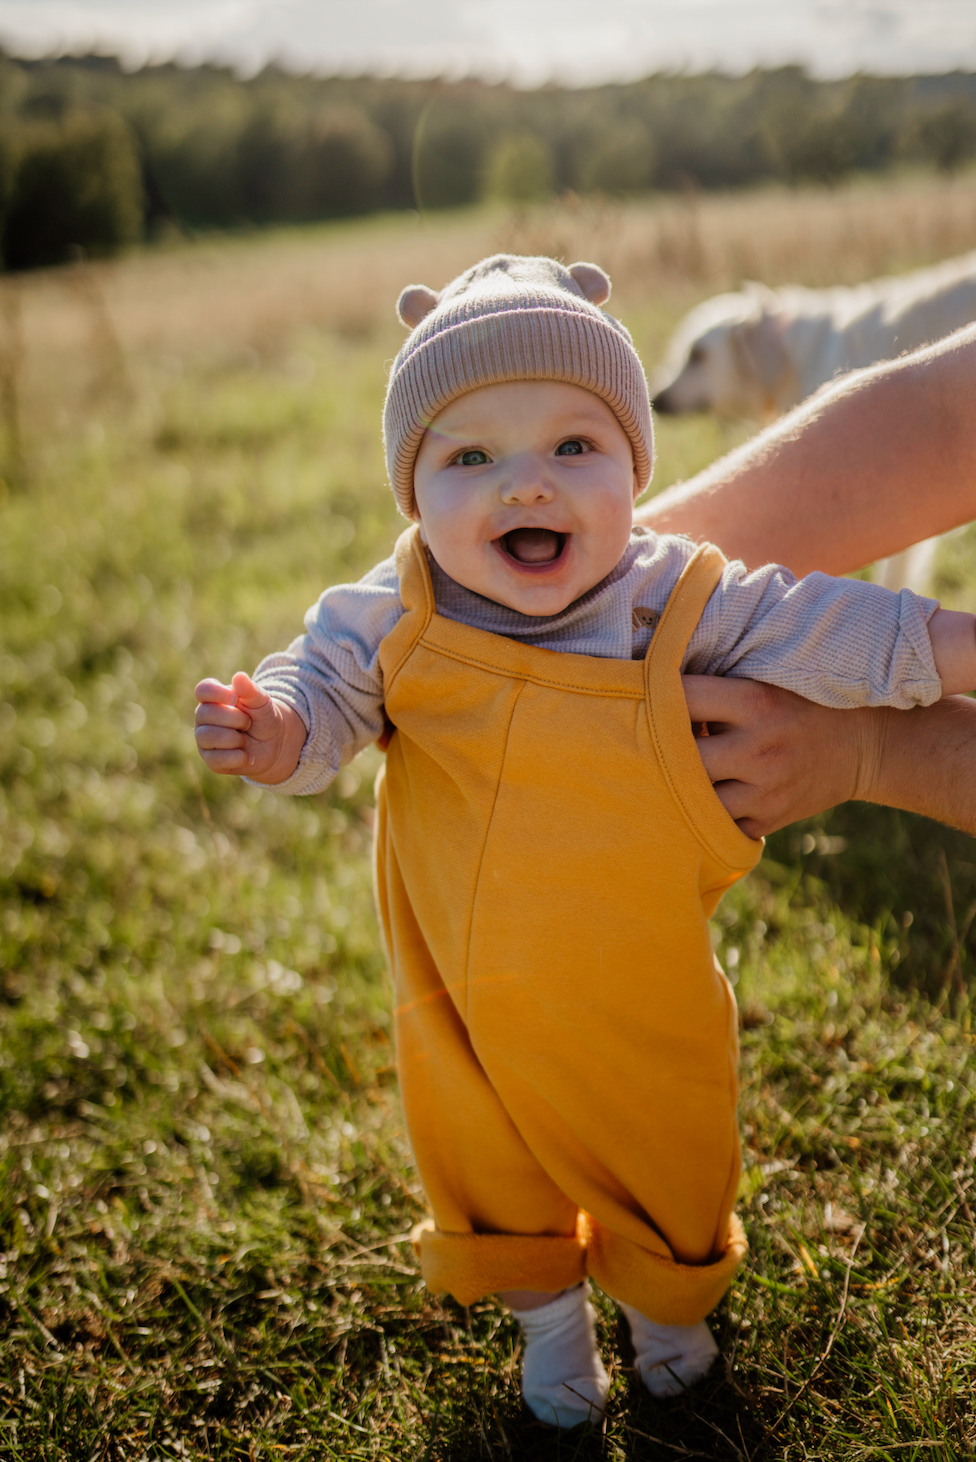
774	757
872	463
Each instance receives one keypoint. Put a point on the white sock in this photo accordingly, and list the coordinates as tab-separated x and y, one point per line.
563	1379
669	1357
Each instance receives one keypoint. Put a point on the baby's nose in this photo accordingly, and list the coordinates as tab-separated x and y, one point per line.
528	482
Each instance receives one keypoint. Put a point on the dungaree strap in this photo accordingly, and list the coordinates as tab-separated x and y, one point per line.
699	579
416	590
417	597
670	724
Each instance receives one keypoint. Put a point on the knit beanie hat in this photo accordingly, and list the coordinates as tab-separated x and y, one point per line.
510	318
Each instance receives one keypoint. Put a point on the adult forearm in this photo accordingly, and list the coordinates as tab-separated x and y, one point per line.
873	463
926	762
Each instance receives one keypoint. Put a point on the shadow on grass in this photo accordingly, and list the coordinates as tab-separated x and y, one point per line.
910	879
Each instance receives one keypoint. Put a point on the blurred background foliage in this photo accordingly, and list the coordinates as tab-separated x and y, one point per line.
93	157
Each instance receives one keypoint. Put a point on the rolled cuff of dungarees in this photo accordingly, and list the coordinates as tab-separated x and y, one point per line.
471	1266
665	1291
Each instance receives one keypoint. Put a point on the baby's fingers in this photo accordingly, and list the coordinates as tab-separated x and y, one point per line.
215	692
222	748
212	713
248	694
229	763
219	738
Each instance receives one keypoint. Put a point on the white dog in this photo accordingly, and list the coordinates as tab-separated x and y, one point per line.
761	351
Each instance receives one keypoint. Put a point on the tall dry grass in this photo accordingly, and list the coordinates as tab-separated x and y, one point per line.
231	301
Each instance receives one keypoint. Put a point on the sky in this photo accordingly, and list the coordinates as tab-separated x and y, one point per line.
526	41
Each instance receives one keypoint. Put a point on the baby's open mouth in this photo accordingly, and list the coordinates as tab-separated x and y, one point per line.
533	545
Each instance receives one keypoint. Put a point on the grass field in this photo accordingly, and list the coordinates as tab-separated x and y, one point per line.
206	1183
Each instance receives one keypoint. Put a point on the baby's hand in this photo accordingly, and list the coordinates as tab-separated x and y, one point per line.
241	731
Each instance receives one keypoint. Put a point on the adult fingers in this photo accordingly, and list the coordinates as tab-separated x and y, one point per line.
748	807
722	699
726	754
728	767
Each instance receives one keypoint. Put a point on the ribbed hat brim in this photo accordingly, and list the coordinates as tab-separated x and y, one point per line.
579	346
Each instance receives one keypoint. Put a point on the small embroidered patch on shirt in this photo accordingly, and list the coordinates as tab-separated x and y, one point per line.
645	618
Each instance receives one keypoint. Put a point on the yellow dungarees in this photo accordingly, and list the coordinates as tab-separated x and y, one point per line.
549	850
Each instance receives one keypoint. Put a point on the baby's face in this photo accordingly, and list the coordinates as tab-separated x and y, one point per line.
525	492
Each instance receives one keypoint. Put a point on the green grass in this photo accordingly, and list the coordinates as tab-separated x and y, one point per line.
206	1183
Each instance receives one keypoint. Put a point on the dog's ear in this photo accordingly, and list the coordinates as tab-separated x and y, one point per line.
763	299
759	344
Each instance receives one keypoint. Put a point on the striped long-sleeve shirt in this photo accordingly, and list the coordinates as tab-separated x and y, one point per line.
840	642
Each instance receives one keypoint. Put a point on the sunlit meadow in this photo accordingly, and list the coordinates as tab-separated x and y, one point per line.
207	1188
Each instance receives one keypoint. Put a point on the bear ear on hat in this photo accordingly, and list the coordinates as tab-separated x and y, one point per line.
592	281
415	302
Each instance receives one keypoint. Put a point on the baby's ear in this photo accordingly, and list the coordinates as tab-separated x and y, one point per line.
415	302
592	281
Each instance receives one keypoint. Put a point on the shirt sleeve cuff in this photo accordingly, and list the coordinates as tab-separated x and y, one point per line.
319	759
914	613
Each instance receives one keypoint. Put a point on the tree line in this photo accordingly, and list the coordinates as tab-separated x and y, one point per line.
93	157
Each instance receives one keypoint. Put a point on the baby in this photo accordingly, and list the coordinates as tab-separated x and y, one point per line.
549	848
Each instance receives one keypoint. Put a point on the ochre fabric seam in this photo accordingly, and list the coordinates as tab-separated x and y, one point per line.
694	567
527	675
484	847
735	1166
416	550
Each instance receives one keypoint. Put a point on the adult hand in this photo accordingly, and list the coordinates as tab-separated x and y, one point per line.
774	757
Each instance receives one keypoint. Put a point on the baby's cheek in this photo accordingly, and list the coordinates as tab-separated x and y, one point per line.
615	526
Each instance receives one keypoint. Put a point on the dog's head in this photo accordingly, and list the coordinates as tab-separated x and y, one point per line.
729	356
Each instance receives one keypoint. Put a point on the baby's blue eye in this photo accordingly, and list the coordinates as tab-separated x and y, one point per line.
572	448
473	457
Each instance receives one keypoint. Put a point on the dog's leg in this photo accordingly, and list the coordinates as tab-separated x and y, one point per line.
910	569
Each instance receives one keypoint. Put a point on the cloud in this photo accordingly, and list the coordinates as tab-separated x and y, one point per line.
528	40
134	28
